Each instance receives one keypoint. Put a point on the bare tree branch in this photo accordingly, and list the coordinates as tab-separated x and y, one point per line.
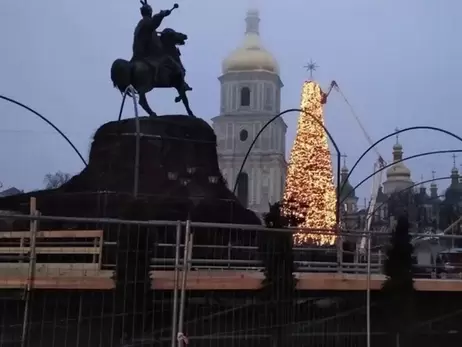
56	180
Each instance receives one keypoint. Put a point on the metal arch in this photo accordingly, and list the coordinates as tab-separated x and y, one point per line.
48	122
271	121
328	134
368	300
404	159
396	133
368	290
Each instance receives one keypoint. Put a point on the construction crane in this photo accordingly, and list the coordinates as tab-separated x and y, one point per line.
377	179
452	229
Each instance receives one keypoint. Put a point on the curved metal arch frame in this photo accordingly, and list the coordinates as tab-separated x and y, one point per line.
402	160
368	290
440	130
46	120
368	325
331	138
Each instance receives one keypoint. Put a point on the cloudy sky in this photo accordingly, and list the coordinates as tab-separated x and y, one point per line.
398	62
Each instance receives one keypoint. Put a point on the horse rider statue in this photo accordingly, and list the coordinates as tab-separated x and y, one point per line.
147	45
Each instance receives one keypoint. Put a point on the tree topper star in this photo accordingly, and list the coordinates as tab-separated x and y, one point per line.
311	67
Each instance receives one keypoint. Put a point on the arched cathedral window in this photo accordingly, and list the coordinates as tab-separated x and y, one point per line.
243	135
245	96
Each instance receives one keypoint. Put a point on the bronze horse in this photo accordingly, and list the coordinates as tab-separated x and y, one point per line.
160	72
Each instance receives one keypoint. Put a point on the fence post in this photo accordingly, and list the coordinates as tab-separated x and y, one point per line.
190	249
229	253
176	281
180	335
339	250
136	177
31	272
368	291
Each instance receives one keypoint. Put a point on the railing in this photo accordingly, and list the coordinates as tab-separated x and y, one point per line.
230	263
70	253
222	247
52	259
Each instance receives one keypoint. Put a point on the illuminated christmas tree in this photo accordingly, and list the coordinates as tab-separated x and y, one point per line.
309	194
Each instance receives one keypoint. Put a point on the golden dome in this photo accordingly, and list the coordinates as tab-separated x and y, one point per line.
251	55
399	170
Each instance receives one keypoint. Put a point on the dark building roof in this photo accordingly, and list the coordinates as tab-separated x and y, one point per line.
454	192
11	191
422	198
381	196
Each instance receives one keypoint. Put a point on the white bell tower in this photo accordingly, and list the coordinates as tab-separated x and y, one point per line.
250	97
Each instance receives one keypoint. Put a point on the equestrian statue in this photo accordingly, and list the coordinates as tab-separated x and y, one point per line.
155	62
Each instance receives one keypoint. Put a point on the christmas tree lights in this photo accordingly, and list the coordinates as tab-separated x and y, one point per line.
309	195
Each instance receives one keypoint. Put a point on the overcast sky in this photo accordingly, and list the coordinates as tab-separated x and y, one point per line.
398	62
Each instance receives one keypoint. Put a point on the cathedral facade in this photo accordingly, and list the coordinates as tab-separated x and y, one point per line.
250	87
250	96
426	209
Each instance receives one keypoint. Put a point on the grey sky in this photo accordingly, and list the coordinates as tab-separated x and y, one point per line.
397	62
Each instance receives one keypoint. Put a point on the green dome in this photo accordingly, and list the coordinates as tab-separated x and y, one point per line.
347	189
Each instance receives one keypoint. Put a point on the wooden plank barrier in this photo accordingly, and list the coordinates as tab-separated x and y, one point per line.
251	280
28	261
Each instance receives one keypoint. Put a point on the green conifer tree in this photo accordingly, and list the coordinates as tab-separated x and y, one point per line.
398	288
279	283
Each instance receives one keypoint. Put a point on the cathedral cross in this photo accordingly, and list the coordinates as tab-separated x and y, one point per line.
397	135
454	159
433	174
344	156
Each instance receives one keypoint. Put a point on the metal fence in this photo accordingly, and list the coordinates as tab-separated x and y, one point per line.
105	282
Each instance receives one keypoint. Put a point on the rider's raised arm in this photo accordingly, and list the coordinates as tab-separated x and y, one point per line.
157	19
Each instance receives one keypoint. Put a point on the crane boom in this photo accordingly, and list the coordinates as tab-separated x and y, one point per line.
361	126
452	226
377	179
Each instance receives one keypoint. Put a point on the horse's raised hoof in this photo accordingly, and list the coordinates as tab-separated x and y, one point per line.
178	99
